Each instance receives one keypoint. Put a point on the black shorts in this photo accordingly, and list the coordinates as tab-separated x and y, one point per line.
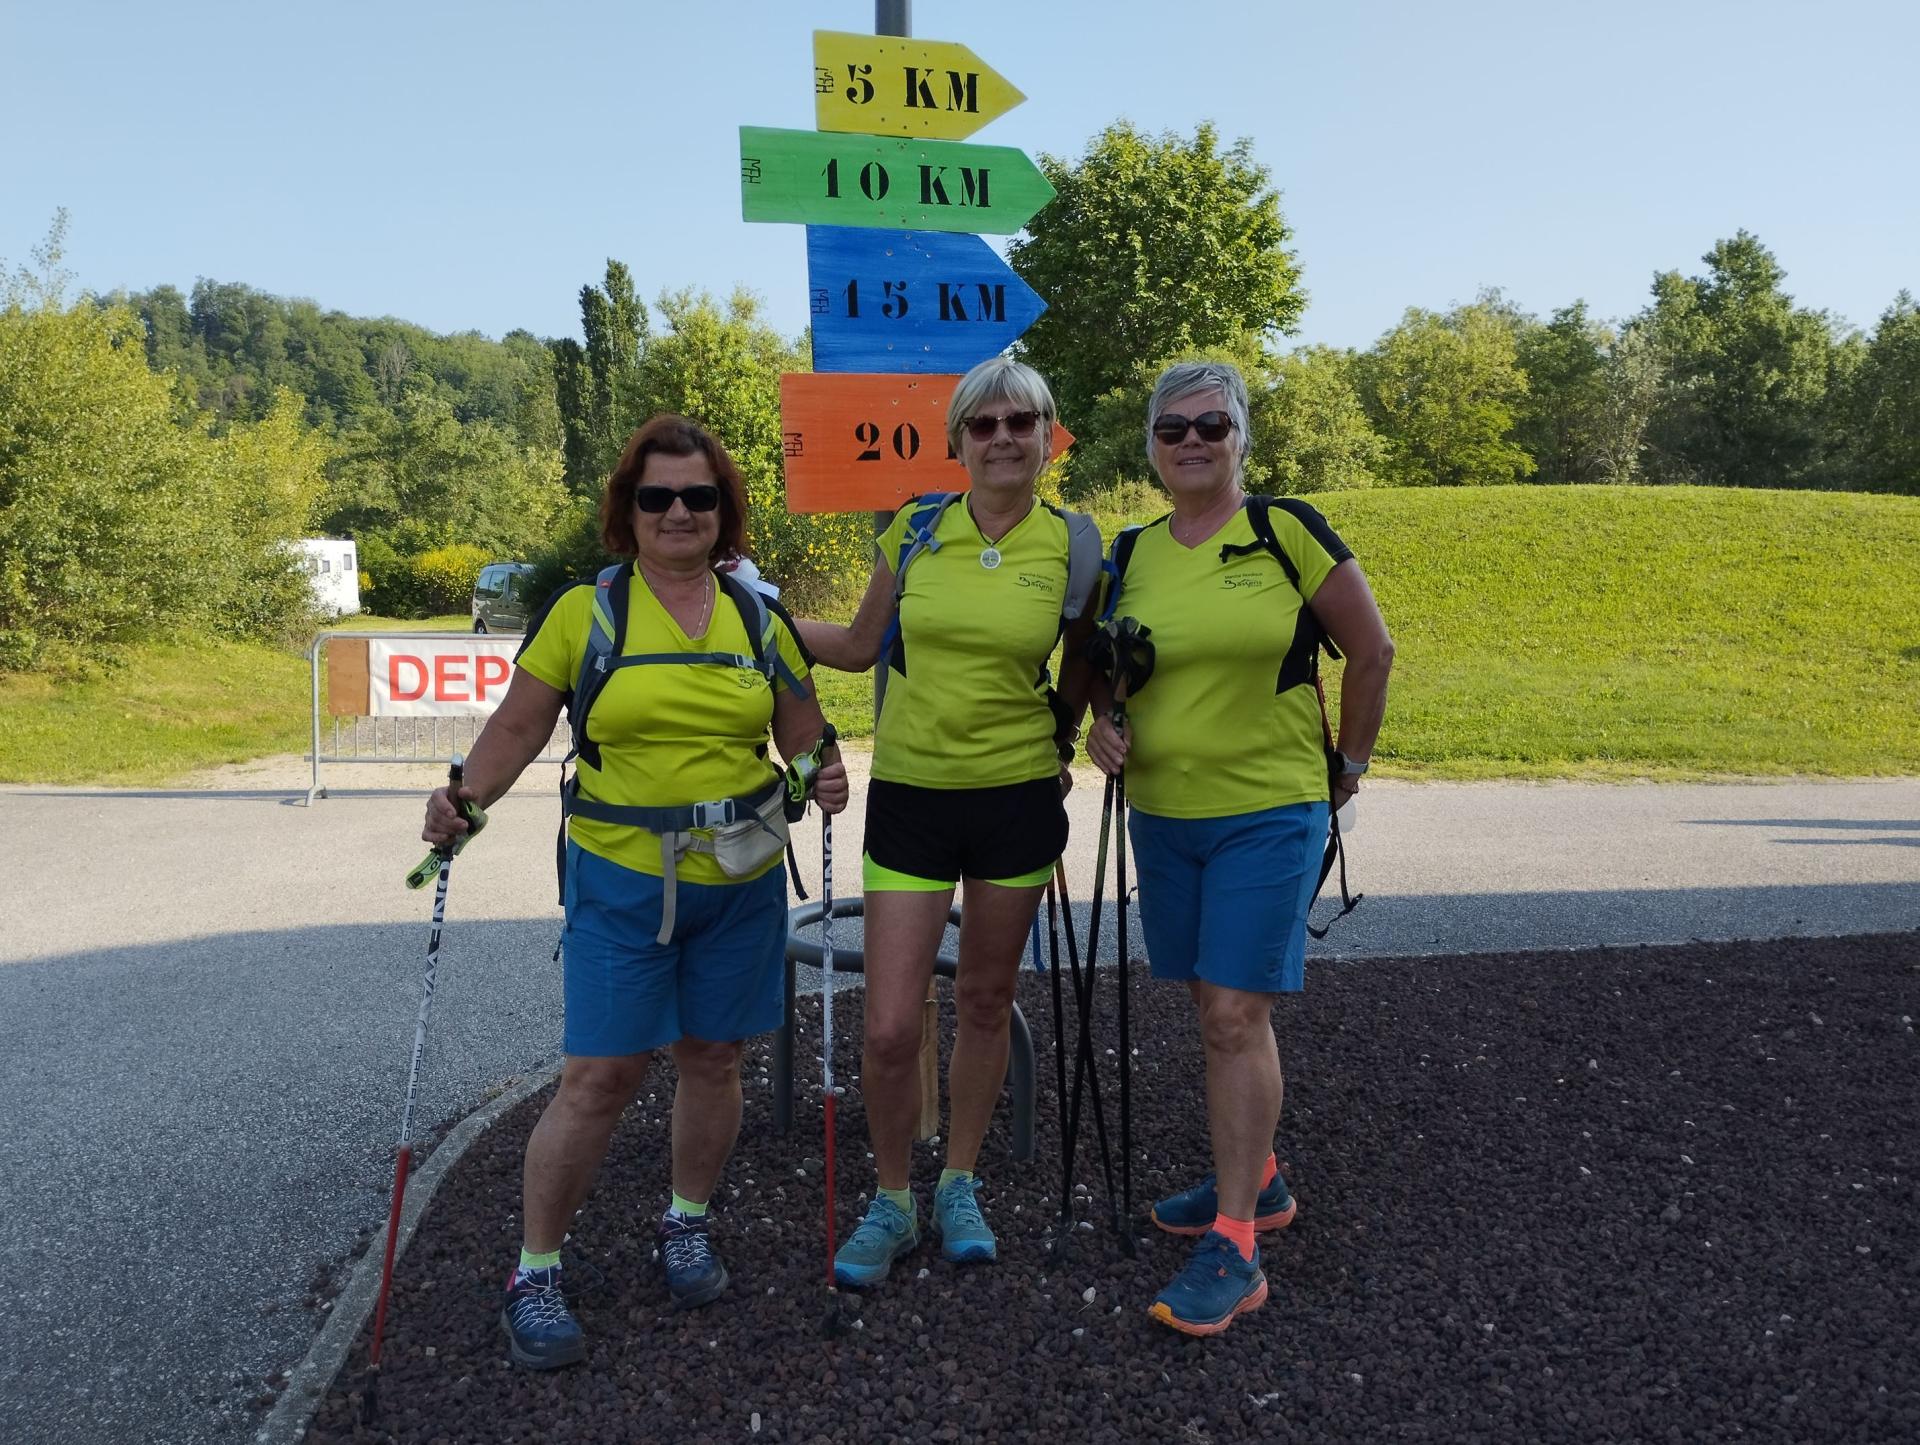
941	835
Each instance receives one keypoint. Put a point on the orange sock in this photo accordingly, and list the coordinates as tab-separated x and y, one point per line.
1240	1231
1266	1175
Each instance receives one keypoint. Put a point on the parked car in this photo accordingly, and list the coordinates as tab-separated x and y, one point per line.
500	597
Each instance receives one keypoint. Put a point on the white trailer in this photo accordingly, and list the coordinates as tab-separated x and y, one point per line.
333	572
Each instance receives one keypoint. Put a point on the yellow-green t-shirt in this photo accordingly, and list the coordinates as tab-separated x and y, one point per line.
978	621
668	733
1211	737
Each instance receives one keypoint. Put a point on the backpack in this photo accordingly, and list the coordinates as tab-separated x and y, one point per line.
600	660
1301	664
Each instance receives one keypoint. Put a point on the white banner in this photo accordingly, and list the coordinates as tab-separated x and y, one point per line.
464	676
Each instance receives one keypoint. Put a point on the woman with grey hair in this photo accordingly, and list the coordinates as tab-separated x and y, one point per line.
969	595
1231	774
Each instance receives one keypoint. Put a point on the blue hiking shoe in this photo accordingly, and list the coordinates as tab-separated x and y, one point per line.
695	1275
542	1333
883	1236
1192	1211
959	1224
1216	1285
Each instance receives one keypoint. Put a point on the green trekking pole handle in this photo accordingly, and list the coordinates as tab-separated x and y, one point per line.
428	868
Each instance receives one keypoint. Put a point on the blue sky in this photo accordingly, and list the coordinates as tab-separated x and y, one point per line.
469	166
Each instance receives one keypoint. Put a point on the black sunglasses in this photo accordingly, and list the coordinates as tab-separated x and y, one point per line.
1019	424
700	497
1171	428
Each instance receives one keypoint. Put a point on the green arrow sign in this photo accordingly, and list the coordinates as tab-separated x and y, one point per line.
864	180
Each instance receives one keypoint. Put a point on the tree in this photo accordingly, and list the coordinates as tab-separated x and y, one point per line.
1442	390
1318	437
1151	248
1745	374
1884	402
1560	421
419	478
116	521
591	378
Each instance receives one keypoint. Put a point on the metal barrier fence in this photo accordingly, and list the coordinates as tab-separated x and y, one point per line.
357	737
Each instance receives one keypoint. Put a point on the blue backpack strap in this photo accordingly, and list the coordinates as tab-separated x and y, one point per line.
919	537
609	626
1118	556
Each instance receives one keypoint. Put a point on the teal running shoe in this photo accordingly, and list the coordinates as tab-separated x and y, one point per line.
883	1236
959	1224
1192	1211
1216	1287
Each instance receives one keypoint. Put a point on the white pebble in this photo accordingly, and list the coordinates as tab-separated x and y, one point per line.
1078	1333
1357	1379
1089	1293
754	1421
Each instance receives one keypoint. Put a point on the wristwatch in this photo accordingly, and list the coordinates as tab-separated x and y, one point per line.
1346	767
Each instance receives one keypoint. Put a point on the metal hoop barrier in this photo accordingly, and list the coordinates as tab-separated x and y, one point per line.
1020	1071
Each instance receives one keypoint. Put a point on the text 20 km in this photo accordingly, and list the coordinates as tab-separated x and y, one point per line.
905	442
874	180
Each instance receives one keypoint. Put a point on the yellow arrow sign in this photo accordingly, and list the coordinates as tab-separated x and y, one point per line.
881	85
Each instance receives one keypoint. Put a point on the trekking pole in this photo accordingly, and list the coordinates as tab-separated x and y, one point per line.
1120	929
1085	1075
832	1325
403	1162
1059	1057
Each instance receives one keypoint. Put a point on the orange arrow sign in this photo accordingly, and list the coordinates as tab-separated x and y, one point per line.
859	442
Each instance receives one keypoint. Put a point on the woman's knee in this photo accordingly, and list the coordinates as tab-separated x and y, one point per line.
601	1086
705	1062
1234	1022
893	1045
982	1005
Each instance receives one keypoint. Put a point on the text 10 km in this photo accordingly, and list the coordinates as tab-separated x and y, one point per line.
971	186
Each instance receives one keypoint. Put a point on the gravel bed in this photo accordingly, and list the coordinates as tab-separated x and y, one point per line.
1661	1193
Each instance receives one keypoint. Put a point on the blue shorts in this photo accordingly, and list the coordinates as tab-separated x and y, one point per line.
721	978
1225	899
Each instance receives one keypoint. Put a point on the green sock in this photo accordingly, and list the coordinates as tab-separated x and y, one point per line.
687	1209
947	1176
529	1260
901	1197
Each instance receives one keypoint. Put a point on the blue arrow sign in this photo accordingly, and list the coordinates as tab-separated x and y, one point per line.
925	301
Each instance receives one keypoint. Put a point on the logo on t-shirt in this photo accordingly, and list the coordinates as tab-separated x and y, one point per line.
1039	580
1243	581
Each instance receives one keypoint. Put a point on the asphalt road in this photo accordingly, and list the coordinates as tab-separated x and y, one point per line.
207	1001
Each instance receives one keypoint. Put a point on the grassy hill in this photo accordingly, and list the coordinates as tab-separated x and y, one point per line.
1623	631
1542	632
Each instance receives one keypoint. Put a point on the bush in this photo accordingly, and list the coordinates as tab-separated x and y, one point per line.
445	577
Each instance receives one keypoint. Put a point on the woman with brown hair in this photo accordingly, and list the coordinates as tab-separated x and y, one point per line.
676	901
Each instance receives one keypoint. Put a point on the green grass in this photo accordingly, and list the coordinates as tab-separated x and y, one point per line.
154	714
1584	632
1669	632
367	622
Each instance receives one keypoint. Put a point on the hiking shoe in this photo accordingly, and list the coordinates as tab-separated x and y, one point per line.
695	1275
542	1333
1216	1285
959	1224
1192	1211
883	1236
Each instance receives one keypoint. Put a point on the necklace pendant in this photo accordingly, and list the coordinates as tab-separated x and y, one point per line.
990	557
